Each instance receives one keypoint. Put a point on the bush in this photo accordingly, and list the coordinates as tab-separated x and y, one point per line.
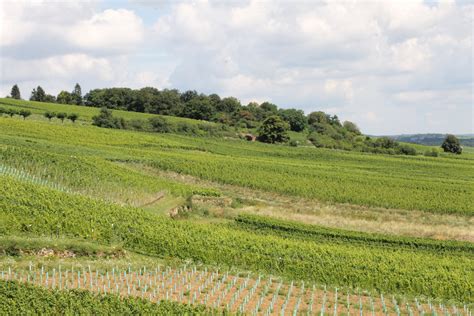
406	150
61	116
433	152
273	130
49	115
24	113
73	117
451	144
138	125
186	128
159	125
107	120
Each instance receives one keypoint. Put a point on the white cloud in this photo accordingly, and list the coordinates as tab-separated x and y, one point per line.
383	64
110	30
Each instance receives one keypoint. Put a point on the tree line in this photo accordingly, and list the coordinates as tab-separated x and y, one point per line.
271	123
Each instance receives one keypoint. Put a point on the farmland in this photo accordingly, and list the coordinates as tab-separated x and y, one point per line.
92	191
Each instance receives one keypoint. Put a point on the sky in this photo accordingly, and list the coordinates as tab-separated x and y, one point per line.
392	67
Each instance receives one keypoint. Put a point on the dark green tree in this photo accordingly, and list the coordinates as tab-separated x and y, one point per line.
351	127
38	94
25	113
73	117
295	118
77	94
61	116
15	93
273	130
189	95
64	97
318	117
198	108
451	144
49	115
228	105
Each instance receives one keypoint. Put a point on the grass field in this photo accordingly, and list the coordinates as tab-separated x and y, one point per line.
88	194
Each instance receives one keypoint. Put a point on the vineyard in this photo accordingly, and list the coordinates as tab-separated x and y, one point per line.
418	183
227	293
80	202
54	213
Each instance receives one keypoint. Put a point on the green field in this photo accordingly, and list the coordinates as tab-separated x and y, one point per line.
97	190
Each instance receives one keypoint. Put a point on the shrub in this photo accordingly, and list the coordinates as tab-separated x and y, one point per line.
433	152
25	113
159	125
273	130
451	144
49	115
406	150
73	117
107	120
61	116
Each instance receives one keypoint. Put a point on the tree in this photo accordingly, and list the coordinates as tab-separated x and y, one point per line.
228	105
273	130
76	94
64	97
61	116
198	108
295	118
159	125
188	95
15	93
73	117
107	120
24	113
352	127
11	112
49	115
318	117
38	94
451	144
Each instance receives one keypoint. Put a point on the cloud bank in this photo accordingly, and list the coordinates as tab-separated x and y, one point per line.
392	67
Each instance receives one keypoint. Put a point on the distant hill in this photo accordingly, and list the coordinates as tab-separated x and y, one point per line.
433	139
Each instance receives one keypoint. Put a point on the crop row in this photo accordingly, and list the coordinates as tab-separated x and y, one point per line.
29	209
290	229
226	292
20	298
437	185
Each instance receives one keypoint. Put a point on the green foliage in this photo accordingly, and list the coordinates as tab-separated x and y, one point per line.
64	97
61	116
76	95
293	143
38	94
15	93
49	115
73	117
451	144
273	130
107	120
11	112
17	246
47	212
160	125
24	299
351	127
295	118
297	230
24	113
433	152
404	182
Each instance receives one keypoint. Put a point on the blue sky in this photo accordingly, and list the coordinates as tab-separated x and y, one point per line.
390	66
